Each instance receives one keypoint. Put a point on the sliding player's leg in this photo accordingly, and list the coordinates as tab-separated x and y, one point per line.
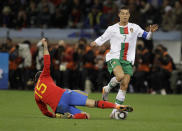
70	99
105	104
79	98
71	112
66	108
99	104
77	113
63	106
114	66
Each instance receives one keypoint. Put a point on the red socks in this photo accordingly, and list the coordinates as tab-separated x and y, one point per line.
99	104
80	116
104	104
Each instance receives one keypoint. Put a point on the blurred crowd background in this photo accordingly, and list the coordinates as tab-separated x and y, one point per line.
76	65
88	13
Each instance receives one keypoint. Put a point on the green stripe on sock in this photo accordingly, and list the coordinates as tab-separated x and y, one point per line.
118	102
110	85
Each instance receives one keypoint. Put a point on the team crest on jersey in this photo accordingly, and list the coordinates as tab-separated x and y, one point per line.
131	30
114	62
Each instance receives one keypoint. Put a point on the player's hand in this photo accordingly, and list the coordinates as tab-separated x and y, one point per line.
44	41
64	116
93	44
153	28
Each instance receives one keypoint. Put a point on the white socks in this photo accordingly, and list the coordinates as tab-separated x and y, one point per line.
120	96
113	82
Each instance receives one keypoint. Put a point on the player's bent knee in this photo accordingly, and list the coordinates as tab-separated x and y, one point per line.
118	72
90	103
119	77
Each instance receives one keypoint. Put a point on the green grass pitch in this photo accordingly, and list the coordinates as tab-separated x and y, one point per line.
18	112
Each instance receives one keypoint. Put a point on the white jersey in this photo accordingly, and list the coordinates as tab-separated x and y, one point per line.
122	41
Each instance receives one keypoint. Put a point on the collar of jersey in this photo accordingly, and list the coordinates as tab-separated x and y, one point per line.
123	26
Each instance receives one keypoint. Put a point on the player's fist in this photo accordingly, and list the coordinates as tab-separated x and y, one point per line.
44	41
154	27
92	44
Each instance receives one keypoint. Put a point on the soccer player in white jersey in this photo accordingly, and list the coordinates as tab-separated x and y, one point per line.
123	37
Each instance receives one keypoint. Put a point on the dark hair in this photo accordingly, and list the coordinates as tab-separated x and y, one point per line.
123	8
37	75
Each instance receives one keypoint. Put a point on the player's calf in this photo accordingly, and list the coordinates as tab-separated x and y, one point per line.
104	104
106	89
105	93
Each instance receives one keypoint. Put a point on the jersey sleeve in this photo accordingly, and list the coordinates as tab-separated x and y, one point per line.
43	108
46	69
104	37
142	33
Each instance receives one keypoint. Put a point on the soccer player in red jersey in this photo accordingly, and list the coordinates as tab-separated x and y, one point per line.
62	101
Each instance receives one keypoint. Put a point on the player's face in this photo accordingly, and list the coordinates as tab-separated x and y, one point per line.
124	15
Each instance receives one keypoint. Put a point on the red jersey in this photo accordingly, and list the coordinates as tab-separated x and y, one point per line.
46	92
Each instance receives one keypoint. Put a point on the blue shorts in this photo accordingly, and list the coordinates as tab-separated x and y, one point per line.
69	100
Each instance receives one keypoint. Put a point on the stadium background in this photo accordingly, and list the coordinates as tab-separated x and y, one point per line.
70	25
75	65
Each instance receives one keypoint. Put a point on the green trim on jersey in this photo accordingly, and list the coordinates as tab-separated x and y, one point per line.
126	66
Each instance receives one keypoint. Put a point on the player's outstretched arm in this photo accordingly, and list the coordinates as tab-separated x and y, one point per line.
45	44
150	29
46	69
103	38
